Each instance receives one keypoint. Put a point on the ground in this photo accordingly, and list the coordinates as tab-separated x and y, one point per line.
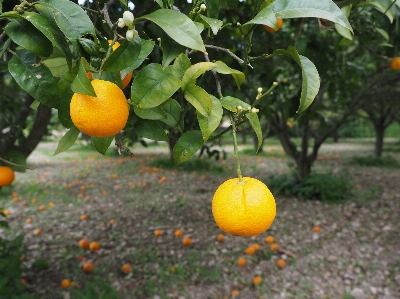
125	199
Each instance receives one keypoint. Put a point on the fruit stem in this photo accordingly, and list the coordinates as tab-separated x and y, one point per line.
235	148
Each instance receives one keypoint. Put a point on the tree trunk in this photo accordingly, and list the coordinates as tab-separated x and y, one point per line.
39	129
303	168
335	136
173	138
380	133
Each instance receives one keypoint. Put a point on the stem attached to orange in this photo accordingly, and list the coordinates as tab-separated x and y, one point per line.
235	147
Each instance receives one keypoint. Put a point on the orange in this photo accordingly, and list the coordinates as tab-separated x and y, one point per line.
83	217
178	233
73	284
6	212
158	232
37	231
101	116
241	261
23	281
7	176
395	64
235	293
250	250
65	283
269	239
279	23
15	199
84	244
187	241
128	77
88	267
220	238
112	221
317	229
256	246
42	207
257	280
244	208
281	263
274	247
126	268
28	220
94	246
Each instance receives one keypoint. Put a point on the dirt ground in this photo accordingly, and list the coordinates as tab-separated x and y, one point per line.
356	254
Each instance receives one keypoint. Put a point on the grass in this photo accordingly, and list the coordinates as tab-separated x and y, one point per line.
384	161
195	164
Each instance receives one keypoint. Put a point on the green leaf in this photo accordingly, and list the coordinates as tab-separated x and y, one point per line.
209	124
82	83
53	33
102	144
383	33
255	124
35	78
27	36
153	86
73	21
178	26
199	98
311	80
172	111
57	66
324	9
222	68
181	64
187	146
193	72
145	50
212	8
230	103
382	6
123	57
150	129
15	157
346	33
67	140
264	17
155	113
171	50
214	24
66	93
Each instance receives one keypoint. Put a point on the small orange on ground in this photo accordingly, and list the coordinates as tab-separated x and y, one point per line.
24	203
22	258
269	239
256	246
34	200
14	194
112	221
88	267
395	64
83	217
245	208
7	176
281	263
158	233
37	231
250	250
23	281
42	207
257	280
274	247
178	233
28	220
220	238
235	293
51	204
65	283
279	23
126	268
6	212
84	244
317	229
80	258
15	199
94	246
102	116
73	284
241	261
162	179
172	269
187	241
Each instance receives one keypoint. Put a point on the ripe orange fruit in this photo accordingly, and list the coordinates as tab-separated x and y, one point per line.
112	221
84	244
158	232
28	220
235	293
65	283
257	280
73	284
220	238
51	204
126	268
256	246
244	208
274	247
15	199
241	261
83	217
279	23
7	176
42	207
94	246
37	231
187	241
88	267
395	64
101	116
269	239
317	229
5	212
281	263
23	281
34	200
250	250
178	233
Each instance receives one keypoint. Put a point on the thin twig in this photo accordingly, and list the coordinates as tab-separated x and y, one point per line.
13	164
217	81
104	11
241	61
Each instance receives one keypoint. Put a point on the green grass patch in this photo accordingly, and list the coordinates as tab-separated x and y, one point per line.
318	186
194	164
269	154
386	161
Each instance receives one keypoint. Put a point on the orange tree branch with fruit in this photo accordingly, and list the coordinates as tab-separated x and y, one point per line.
54	48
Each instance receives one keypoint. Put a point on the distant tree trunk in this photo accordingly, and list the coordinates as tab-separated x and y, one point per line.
380	133
39	129
335	136
243	132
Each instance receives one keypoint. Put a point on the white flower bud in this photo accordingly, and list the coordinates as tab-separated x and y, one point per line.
239	108
254	110
259	90
121	23
203	7
128	17
275	83
131	34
